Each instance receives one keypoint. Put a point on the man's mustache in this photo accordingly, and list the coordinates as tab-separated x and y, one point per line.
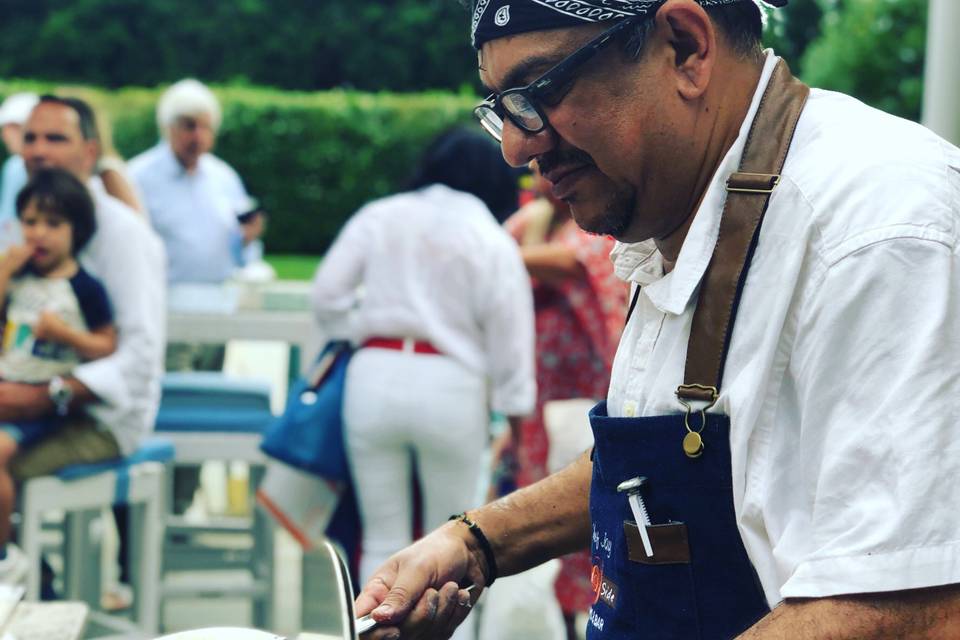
561	157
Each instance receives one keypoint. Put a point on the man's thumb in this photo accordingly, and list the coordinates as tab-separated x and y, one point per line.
397	604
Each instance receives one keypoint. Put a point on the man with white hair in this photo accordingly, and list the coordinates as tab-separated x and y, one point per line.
193	198
13	115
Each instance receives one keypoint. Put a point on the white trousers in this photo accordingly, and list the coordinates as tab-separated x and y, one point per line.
402	409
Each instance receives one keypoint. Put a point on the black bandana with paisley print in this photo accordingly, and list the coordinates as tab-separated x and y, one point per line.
498	18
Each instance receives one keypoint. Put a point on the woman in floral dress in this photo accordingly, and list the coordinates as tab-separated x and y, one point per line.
579	307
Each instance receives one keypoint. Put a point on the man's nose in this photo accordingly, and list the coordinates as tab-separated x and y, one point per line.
33	149
521	147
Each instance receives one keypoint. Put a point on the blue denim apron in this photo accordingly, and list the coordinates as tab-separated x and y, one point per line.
698	584
706	587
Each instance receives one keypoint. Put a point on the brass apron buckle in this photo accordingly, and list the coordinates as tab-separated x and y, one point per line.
693	441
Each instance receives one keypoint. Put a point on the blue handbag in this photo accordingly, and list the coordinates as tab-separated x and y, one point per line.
309	434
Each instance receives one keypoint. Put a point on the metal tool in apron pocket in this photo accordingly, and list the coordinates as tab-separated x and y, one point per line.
632	488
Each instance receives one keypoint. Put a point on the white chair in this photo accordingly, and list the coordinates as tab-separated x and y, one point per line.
211	416
138	480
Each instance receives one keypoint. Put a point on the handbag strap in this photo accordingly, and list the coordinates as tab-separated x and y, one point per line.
323	367
748	194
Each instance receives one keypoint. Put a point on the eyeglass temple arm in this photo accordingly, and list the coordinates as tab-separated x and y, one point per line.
580	56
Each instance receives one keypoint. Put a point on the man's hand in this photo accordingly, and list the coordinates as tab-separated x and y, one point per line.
50	327
417	592
15	258
253	228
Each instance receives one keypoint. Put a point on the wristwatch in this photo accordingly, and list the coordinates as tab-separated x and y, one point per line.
60	394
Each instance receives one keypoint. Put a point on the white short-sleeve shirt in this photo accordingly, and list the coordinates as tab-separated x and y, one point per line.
194	213
843	376
128	259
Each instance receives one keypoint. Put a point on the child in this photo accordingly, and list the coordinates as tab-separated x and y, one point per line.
56	314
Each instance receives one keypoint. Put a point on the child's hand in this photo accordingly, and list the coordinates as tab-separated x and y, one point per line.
16	256
50	327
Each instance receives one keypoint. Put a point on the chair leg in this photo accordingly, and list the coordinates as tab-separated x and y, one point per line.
81	567
263	567
30	543
150	533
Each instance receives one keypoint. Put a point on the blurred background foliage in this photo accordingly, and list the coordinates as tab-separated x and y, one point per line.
311	158
399	45
324	130
874	50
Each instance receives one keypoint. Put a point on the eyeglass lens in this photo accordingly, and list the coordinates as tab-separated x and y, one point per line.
490	121
522	111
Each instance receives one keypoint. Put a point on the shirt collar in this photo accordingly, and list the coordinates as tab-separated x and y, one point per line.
639	262
642	263
172	166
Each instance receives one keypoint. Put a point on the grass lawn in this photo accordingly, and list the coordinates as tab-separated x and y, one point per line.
292	267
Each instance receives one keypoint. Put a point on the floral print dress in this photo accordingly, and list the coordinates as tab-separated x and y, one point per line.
578	324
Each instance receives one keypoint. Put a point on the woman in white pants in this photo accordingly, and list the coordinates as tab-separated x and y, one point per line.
434	293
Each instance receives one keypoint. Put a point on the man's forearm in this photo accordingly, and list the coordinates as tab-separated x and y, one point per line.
91	345
81	393
922	614
551	263
542	521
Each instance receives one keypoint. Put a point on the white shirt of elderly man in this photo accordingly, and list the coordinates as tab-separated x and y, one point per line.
192	197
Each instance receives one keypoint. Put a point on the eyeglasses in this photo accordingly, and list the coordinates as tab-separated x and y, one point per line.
522	105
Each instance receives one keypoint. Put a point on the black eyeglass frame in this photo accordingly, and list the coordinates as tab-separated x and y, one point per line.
558	75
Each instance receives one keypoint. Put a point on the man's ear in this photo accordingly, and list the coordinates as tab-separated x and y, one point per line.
693	37
91	153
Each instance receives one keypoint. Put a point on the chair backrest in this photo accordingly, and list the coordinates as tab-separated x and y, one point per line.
212	401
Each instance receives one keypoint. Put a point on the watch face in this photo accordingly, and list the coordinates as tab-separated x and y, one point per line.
59	391
60	394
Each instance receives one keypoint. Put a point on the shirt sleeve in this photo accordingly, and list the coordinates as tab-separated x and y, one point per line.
93	300
239	197
508	332
131	262
335	286
875	365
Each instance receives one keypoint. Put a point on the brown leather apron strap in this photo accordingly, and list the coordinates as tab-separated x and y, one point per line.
748	193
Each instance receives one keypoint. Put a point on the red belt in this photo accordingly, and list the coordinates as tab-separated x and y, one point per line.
397	344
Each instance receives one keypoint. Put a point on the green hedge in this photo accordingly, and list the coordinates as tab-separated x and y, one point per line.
311	158
874	51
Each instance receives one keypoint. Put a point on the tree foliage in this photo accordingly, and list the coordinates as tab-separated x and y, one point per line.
404	45
312	159
874	50
790	30
870	48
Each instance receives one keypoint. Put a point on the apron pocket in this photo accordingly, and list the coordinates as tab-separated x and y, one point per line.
669	542
664	602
